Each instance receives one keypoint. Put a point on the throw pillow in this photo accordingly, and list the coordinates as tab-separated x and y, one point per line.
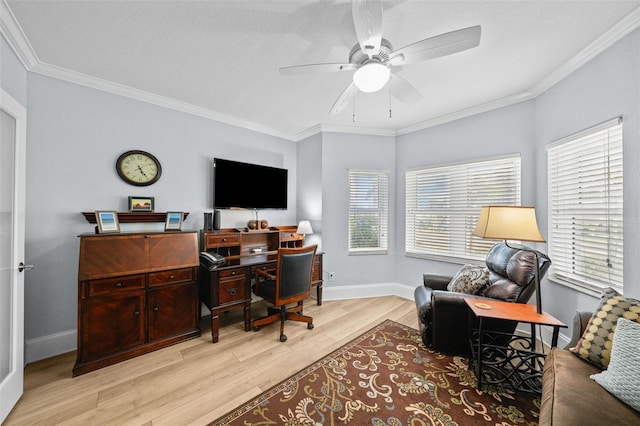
470	279
595	343
623	374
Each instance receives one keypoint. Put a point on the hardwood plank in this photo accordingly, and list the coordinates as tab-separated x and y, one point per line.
196	381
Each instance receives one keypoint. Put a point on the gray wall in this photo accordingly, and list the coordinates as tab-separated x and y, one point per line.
76	133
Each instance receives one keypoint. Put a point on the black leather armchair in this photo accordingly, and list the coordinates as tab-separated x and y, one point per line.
443	316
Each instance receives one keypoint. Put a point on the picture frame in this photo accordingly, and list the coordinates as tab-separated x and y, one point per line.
107	221
174	221
141	204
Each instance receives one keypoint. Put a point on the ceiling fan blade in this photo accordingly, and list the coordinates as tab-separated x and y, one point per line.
440	45
343	100
404	91
316	68
367	20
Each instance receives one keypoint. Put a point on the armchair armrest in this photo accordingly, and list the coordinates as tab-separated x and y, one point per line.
436	282
265	274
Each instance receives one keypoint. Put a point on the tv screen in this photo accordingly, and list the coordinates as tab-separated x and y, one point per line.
248	186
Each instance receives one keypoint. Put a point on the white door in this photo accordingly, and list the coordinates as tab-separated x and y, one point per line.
12	218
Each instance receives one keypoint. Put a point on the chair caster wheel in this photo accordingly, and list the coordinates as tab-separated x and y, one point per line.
256	328
283	338
309	326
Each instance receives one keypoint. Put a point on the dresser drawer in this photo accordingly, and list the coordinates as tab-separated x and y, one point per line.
114	285
172	276
233	273
221	240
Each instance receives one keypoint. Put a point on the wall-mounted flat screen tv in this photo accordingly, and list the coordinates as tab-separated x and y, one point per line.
249	186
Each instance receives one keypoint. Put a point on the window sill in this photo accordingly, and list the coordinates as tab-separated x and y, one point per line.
588	289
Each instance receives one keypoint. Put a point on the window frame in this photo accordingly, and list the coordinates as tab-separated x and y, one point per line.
467	247
382	209
561	270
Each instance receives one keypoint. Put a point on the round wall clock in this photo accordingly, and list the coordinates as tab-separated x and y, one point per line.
138	168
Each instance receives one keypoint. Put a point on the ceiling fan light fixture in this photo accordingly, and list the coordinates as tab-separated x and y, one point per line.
371	77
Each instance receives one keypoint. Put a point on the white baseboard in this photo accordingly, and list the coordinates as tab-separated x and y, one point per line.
48	346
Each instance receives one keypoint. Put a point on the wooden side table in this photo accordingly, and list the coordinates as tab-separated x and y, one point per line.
508	359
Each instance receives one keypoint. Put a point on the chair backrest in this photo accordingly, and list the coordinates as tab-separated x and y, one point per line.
511	273
293	274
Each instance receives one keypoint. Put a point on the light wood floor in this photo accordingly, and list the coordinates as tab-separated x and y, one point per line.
195	382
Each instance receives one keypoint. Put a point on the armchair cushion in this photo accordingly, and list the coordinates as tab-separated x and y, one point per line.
470	279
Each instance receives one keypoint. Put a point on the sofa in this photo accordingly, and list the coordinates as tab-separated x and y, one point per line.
443	315
569	395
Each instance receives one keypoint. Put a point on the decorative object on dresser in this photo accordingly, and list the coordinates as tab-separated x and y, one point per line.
137	292
141	204
304	228
107	222
138	168
291	283
174	221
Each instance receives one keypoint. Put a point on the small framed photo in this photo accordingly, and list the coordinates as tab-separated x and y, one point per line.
107	221
141	204
174	221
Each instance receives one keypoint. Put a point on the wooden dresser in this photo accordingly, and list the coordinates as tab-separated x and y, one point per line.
137	292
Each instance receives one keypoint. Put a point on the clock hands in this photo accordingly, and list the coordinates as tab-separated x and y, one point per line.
142	171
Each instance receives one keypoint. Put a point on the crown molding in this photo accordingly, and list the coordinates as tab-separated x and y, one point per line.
12	32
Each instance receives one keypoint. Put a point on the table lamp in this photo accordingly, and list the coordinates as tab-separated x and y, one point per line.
512	223
304	227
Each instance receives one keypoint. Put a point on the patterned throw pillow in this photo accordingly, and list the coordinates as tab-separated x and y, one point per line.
622	376
595	343
470	279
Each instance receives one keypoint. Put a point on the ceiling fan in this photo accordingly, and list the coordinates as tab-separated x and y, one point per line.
373	58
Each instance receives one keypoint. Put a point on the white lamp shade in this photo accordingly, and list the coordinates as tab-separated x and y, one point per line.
304	227
371	77
508	223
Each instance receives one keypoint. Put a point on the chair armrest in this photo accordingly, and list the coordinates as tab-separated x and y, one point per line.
580	321
436	282
265	274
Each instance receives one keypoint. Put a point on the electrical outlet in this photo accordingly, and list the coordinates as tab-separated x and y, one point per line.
332	276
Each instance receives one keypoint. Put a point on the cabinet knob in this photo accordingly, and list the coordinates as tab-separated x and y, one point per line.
118	285
171	277
136	312
224	240
233	291
156	309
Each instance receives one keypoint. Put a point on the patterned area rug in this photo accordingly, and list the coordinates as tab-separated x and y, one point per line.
385	377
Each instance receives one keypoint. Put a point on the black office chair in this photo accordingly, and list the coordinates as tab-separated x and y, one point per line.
290	284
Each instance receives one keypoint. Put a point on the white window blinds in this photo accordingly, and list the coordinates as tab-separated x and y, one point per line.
368	211
443	204
585	208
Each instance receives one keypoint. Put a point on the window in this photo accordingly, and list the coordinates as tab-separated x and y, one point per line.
443	204
368	211
585	208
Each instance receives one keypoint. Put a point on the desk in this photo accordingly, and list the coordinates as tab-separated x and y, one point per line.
510	360
228	287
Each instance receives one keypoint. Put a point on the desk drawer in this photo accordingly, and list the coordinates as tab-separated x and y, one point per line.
118	284
222	240
172	276
232	289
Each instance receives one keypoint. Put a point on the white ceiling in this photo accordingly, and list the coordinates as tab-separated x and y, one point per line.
220	59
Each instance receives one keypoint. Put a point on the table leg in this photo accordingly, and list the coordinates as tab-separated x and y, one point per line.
554	338
479	355
215	325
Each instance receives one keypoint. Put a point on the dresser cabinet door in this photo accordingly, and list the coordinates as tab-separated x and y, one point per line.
112	323
172	310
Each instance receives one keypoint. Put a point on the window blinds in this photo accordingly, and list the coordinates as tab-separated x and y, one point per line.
585	177
368	211
443	204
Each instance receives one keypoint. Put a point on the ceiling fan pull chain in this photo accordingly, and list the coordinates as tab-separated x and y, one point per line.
389	99
354	105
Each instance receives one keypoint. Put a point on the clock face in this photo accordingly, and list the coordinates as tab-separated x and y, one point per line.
138	168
